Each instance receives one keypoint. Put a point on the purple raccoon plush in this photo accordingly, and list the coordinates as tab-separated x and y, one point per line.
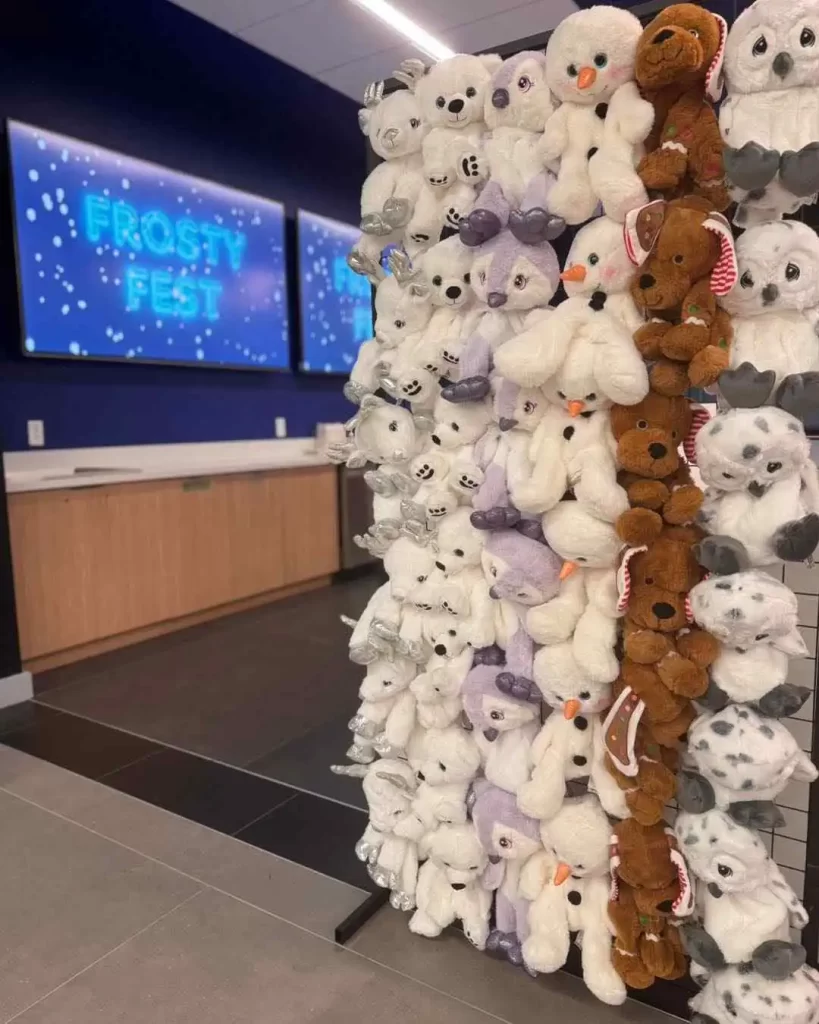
514	282
510	839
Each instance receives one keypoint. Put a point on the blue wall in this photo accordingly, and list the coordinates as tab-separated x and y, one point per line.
152	80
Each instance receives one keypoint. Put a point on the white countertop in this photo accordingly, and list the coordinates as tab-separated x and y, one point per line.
48	470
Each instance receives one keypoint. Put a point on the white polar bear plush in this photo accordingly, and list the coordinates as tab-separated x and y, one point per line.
754	616
568	884
442	481
590	69
592	330
514	283
745	756
445	762
449	886
518	105
585	609
774	304
408	565
762	487
381	616
452	95
437	690
387	708
380	432
396	130
770	117
392	861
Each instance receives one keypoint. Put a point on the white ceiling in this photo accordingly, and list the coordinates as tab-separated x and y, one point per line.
342	45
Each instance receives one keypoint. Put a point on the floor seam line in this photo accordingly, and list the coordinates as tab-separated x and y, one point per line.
105	956
261	817
192	753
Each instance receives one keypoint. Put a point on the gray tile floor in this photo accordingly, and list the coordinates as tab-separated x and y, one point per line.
116	912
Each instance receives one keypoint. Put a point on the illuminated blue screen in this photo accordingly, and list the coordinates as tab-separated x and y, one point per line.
121	259
336	304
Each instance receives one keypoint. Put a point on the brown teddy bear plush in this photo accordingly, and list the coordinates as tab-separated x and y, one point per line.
649	791
678	67
655	478
685	253
650	889
665	657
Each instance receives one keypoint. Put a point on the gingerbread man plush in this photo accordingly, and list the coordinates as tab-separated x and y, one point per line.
654	476
685	253
678	67
651	890
665	657
648	792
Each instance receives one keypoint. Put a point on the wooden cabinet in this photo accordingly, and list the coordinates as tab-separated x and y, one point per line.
105	566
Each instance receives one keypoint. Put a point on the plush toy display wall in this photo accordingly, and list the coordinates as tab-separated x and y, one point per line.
576	629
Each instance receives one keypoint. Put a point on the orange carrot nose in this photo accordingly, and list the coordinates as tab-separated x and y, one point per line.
567	569
570	709
576	272
575	407
562	872
586	78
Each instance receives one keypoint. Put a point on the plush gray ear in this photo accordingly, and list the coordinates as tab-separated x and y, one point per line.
702	948
746	387
396	780
721	555
783	701
798	394
777	960
695	794
757	814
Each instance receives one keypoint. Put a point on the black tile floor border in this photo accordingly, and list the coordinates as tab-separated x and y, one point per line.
312	831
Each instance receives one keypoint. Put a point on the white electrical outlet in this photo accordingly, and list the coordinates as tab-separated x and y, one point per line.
280	426
36	433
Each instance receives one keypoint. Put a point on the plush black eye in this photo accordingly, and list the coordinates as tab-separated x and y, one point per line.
414	122
581	558
400	324
451	632
467	278
694	32
493	572
649	580
482	276
442	766
496	716
792	272
772	467
593	259
455	427
437	280
746	281
808	37
760	47
458	552
504	842
679	258
440	103
572	71
421	579
387	682
393	426
560	394
728	476
761	636
470	92
724	870
529	406
642	424
584	695
520	281
674	434
591	396
600	60
524	83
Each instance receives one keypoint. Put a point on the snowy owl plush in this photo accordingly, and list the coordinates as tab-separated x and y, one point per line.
590	69
396	131
518	105
774	304
770	119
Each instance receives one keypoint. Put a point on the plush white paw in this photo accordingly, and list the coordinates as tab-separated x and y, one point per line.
606	984
543	955
550	625
422	924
